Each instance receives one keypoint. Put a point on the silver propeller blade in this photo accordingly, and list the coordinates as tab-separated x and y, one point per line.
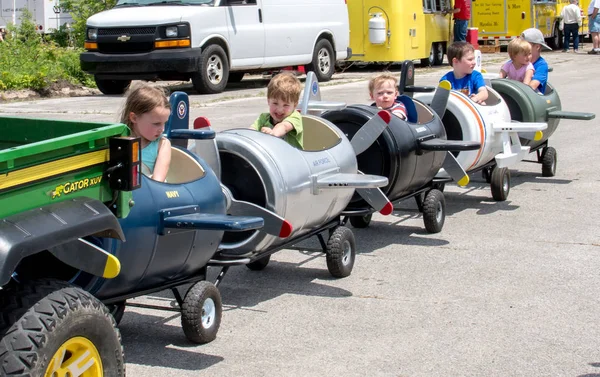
370	131
440	98
455	171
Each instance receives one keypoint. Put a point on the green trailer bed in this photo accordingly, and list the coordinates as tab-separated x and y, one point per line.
44	161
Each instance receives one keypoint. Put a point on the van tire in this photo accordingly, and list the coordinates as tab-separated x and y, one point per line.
556	40
213	72
323	62
112	86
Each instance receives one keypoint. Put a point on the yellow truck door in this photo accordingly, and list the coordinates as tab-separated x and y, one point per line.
519	17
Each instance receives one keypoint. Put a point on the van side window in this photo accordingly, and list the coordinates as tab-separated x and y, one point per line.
238	2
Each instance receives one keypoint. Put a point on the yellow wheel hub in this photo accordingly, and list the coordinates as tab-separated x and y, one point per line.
76	357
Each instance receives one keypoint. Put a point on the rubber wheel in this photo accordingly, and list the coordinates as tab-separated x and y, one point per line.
434	211
112	86
47	325
438	53
361	221
213	71
117	310
557	38
201	312
259	264
323	61
549	160
236	77
500	183
341	252
486	173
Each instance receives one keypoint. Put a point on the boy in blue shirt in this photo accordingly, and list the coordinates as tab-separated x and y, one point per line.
540	76
463	78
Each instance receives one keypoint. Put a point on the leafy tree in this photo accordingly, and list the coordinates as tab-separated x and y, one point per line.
81	10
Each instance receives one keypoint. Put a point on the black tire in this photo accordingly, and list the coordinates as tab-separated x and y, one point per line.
486	173
556	42
259	264
361	221
549	160
201	312
213	72
236	77
44	319
117	310
500	183
341	252
111	87
323	61
438	53
434	211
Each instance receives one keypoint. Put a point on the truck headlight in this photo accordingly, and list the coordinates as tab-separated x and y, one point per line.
92	34
171	32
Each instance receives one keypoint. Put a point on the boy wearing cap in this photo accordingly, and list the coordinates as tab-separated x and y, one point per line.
540	77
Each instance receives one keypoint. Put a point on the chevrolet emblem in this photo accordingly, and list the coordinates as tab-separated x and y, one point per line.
124	38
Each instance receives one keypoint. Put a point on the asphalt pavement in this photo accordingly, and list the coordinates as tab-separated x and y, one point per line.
506	289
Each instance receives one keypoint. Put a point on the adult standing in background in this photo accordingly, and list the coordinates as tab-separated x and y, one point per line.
462	16
594	24
570	23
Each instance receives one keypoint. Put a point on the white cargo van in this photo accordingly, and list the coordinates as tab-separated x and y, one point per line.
212	42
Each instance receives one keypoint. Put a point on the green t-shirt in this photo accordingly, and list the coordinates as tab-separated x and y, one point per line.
295	137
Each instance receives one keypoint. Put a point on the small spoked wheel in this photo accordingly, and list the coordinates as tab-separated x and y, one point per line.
201	312
361	221
434	211
549	159
79	351
500	183
341	252
259	264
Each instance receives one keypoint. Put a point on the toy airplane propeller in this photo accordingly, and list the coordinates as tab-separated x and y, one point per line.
451	165
367	186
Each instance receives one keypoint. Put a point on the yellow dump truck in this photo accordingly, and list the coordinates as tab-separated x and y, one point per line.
393	31
506	19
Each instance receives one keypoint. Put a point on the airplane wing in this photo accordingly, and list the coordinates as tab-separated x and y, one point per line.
273	223
344	180
205	221
519	127
571	115
437	144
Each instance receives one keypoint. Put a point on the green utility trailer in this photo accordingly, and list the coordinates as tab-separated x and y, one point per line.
61	182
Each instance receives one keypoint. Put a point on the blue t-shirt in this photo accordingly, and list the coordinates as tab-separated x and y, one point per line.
541	73
150	153
469	84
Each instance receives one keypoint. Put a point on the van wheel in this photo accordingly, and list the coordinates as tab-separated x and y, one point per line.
323	62
112	86
213	72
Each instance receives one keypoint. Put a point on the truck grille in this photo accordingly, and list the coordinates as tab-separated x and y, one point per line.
128	31
125	48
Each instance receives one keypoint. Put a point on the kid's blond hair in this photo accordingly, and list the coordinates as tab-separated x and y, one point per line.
518	46
380	78
143	98
285	87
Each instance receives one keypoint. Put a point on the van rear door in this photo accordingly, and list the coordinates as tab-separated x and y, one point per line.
246	32
489	17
